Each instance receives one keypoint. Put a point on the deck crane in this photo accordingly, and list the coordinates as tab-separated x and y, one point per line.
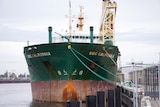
107	21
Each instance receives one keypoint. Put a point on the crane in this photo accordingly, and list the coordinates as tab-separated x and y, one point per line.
107	21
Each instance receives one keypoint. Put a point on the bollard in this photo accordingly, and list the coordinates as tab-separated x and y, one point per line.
91	101
118	96
73	104
110	98
101	98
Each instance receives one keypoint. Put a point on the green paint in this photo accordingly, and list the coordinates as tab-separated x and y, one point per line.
56	61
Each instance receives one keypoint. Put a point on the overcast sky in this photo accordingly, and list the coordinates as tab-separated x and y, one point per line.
137	25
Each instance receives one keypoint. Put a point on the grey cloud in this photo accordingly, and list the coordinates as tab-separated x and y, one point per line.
146	38
22	36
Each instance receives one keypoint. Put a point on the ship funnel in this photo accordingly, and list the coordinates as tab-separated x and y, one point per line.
91	34
50	34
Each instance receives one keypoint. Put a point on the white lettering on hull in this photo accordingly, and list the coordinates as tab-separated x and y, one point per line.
35	55
102	54
75	72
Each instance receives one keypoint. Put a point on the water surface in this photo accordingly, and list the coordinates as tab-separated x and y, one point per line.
20	95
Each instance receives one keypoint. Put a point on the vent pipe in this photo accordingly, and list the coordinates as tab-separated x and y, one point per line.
50	34
91	34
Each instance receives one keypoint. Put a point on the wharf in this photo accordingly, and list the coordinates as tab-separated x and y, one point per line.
155	103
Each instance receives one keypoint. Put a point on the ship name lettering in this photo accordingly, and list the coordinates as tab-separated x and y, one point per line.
102	54
39	54
93	53
105	55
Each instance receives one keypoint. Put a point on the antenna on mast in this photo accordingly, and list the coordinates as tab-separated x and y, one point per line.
70	21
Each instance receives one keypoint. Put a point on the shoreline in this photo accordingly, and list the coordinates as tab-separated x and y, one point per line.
14	81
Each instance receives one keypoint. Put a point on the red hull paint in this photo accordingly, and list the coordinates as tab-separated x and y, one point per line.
61	91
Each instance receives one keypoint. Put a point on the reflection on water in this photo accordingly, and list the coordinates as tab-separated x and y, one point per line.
48	104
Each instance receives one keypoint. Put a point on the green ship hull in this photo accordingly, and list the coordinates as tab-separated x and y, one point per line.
70	71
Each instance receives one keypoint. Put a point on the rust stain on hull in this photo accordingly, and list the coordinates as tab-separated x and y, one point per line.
69	92
61	91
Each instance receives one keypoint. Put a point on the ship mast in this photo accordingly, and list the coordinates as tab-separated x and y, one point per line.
80	18
107	21
70	21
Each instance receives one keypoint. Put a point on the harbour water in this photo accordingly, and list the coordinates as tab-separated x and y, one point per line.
19	95
15	95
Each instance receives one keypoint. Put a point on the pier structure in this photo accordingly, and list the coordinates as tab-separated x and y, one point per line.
145	76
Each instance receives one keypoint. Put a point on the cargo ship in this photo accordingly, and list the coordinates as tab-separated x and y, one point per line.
76	66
